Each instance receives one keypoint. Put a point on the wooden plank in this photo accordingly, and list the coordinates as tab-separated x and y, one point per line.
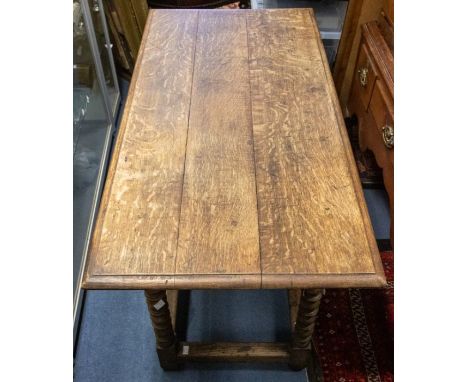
218	223
234	351
310	216
137	226
376	279
232	145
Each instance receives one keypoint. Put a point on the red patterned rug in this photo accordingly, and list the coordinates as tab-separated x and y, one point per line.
354	333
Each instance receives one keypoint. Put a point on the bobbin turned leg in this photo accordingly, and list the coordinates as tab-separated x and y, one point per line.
301	346
166	343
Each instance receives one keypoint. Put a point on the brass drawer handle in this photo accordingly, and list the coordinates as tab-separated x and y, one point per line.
387	136
363	76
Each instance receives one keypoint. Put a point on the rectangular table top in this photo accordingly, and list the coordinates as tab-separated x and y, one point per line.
232	167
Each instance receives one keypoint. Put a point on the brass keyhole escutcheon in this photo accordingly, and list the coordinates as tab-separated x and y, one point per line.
363	76
387	136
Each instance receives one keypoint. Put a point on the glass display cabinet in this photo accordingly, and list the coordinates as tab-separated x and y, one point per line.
330	16
96	99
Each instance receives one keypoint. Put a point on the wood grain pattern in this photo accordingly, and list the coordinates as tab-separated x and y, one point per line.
309	218
137	227
232	168
218	222
371	279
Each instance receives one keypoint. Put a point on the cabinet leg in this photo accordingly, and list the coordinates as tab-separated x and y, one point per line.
166	343
301	346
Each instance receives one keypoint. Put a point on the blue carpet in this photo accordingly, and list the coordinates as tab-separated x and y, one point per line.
379	211
117	344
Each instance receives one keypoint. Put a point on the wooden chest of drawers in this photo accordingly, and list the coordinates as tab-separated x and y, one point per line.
371	100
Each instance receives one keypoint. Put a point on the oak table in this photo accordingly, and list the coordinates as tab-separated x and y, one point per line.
232	169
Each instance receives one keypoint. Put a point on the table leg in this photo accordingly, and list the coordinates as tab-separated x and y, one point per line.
301	347
166	343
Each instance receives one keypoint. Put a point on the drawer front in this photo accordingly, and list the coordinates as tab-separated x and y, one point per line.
381	108
364	76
